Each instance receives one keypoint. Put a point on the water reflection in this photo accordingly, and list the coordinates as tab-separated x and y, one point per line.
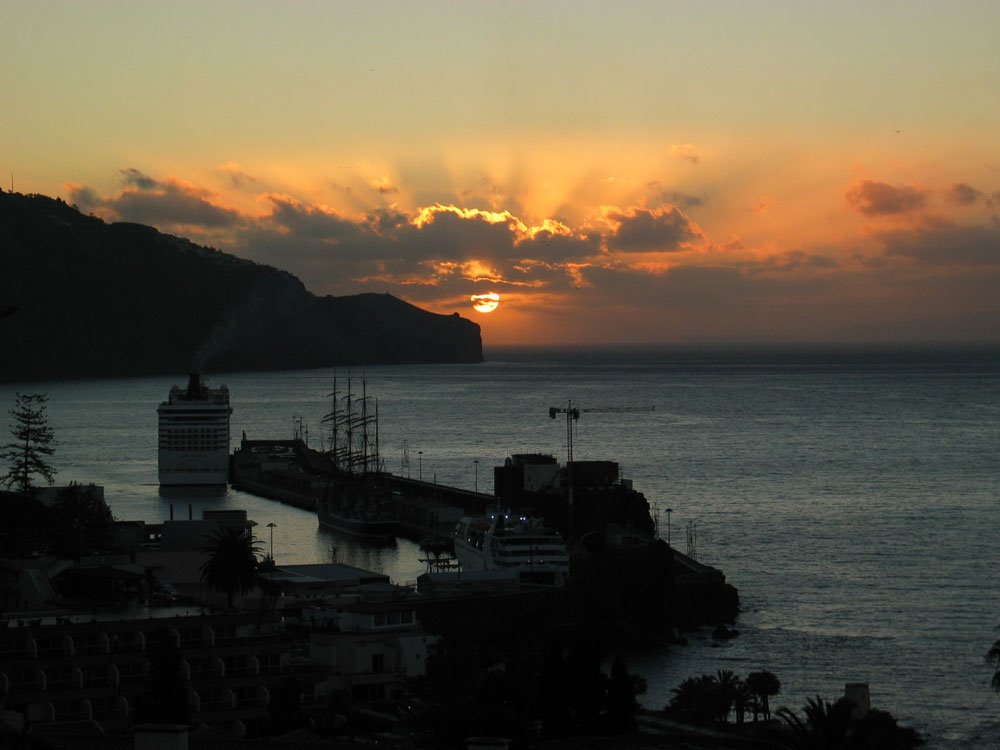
399	560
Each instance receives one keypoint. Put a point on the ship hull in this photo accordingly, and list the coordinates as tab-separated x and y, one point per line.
371	530
358	505
193	469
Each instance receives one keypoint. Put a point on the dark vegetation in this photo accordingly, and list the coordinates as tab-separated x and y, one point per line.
833	725
91	299
711	700
27	454
78	523
232	565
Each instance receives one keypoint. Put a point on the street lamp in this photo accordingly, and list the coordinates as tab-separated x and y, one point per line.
420	465
475	461
272	526
669	511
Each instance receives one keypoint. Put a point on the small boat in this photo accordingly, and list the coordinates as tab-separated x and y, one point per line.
505	541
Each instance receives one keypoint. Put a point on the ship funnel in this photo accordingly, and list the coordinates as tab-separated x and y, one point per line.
194	385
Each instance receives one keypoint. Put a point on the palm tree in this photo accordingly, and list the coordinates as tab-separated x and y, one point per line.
833	726
825	725
231	567
727	685
692	699
743	702
762	686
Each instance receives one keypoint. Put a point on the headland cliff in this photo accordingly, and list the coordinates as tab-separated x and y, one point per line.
82	298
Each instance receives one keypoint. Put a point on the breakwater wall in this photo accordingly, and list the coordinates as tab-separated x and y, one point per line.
291	473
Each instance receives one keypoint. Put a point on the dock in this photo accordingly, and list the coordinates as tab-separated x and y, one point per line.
292	473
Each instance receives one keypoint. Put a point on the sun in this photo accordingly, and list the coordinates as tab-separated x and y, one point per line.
485	303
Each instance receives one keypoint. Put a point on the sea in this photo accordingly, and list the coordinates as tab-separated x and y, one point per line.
851	494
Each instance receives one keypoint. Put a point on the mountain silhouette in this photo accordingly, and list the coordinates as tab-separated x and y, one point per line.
85	298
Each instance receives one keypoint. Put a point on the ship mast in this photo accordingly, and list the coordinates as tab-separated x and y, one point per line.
364	427
354	438
334	418
349	424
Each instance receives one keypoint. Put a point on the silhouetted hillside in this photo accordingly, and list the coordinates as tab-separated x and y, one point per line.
96	299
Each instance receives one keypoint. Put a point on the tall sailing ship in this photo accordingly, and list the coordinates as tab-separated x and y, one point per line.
356	499
194	435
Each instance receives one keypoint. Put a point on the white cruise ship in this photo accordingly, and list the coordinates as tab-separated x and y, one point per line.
194	435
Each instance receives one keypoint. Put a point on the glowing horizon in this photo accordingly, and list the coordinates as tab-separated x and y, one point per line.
811	176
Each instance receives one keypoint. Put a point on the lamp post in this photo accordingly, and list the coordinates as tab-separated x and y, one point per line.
475	462
669	511
420	465
272	526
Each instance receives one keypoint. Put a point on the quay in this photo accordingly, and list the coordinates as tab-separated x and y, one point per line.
292	473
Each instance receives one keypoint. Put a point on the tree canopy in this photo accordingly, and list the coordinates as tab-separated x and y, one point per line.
80	522
32	444
232	565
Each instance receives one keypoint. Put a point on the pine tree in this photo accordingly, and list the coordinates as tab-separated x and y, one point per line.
32	443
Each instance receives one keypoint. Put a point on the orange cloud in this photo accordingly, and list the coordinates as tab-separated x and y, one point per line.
384	187
429	214
874	198
963	194
687	151
640	269
237	177
645	230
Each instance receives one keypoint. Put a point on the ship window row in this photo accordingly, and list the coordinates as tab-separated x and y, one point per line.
206	440
219	441
181	434
195	447
193	415
194	435
210	421
190	470
196	431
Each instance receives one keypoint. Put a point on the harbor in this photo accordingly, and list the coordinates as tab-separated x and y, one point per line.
716	452
622	572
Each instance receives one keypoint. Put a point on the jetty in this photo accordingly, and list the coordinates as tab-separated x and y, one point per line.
292	473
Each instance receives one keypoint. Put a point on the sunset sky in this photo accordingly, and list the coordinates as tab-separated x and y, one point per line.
617	172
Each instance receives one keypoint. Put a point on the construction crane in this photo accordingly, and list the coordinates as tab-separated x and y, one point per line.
573	414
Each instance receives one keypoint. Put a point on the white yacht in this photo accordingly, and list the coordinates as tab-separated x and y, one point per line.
505	541
194	435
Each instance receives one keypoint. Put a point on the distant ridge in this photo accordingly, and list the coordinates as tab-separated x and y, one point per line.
91	299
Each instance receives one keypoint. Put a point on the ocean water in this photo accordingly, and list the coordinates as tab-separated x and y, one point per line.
852	495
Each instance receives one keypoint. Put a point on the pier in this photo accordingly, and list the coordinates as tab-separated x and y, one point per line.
292	473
